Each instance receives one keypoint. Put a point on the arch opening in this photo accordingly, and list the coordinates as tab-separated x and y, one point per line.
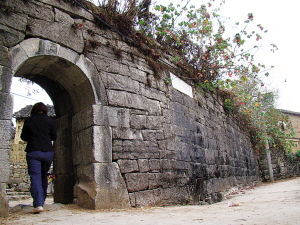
83	151
70	92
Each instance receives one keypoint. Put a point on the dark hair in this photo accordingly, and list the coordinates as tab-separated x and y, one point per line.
39	107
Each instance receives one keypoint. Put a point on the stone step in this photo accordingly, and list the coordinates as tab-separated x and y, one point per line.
18	197
15	195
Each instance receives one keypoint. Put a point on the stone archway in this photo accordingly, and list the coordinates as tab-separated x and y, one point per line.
83	152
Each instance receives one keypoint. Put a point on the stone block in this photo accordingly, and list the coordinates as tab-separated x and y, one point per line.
155	180
5	134
17	56
68	54
152	135
87	67
10	37
94	115
199	171
101	186
132	199
128	166
143	165
6	107
93	144
4	56
174	195
168	116
62	17
152	93
118	117
119	82
181	120
103	63
71	9
147	198
34	9
15	21
136	181
4	207
60	33
5	173
154	122
126	134
167	154
100	91
62	161
169	164
130	100
138	121
155	165
138	75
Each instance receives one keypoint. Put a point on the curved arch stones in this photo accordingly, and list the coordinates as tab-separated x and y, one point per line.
99	183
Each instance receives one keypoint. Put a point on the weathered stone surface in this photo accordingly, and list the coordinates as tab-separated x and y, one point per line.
118	117
136	181
143	165
167	196
4	209
10	37
155	165
138	121
94	115
125	99
101	186
4	165
152	135
128	166
138	75
6	106
92	145
4	56
152	93
126	134
62	161
14	21
5	134
117	82
154	122
147	198
61	33
62	17
17	56
73	9
33	8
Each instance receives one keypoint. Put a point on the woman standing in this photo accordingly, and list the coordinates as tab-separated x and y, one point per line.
39	132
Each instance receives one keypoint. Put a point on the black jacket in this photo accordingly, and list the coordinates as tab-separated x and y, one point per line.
39	130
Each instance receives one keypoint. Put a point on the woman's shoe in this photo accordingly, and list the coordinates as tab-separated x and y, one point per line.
38	209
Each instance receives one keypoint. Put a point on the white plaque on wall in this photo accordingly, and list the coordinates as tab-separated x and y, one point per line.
181	86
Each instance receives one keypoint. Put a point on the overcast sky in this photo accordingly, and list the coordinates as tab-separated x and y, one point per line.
278	17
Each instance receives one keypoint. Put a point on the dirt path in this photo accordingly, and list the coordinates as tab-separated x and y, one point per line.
277	203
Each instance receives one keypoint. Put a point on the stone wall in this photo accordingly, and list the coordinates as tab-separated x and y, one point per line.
187	149
18	166
126	137
284	165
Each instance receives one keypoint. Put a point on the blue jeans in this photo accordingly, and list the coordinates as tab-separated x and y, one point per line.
38	165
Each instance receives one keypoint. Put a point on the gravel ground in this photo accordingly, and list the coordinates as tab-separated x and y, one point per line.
269	203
